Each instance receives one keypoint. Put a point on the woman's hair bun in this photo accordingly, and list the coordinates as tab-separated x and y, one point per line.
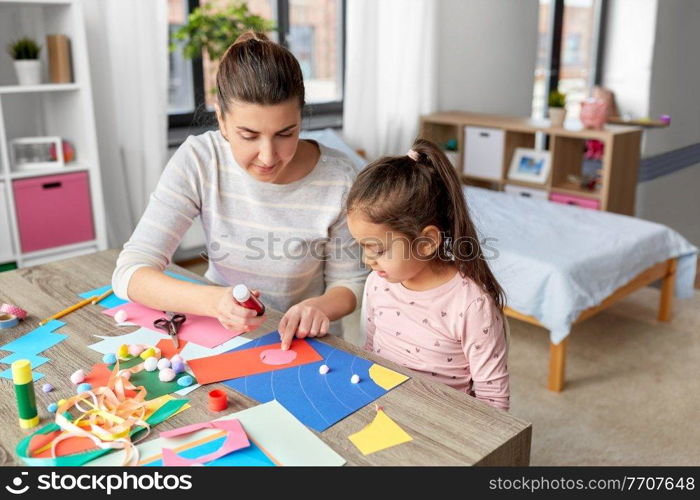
251	35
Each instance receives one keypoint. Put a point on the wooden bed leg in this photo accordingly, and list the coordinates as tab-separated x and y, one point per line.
557	363
667	289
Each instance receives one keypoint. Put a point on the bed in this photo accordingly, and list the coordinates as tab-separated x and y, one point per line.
560	265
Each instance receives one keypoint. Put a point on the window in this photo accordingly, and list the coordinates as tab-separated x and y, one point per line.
313	30
180	81
569	53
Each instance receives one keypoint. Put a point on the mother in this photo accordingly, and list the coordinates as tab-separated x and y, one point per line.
270	206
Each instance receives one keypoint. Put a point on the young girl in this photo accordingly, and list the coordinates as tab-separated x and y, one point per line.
432	303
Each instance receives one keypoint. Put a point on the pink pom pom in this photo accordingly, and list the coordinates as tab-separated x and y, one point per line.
135	349
166	375
120	316
78	377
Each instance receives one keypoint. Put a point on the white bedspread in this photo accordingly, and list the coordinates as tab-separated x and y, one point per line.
554	261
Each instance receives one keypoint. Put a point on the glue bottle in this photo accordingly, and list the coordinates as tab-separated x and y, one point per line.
242	295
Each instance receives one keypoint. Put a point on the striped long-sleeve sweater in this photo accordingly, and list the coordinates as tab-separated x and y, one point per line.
290	241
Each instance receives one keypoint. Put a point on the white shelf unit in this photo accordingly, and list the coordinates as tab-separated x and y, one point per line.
49	109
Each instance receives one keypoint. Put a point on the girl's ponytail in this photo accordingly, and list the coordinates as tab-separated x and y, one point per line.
461	241
454	206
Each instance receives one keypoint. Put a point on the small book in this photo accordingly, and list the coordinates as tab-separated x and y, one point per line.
60	70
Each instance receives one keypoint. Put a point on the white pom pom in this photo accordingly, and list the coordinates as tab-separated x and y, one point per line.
323	369
150	364
163	363
355	378
120	316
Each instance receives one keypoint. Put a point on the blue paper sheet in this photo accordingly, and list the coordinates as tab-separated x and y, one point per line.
318	401
108	302
245	457
8	374
33	359
30	344
37	340
114	301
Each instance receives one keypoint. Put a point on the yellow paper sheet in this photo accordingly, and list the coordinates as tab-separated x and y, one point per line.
385	378
380	434
154	404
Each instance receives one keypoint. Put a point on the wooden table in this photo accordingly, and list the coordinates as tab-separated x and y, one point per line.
448	427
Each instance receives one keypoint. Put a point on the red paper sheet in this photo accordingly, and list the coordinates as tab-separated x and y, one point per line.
247	362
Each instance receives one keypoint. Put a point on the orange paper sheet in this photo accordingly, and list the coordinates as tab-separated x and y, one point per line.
168	349
69	446
99	377
247	362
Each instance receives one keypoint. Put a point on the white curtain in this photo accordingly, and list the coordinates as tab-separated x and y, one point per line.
391	72
127	45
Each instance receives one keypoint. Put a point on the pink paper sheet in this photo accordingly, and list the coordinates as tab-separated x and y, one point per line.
236	438
278	356
201	330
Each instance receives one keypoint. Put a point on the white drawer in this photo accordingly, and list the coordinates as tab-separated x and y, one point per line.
6	252
483	152
526	192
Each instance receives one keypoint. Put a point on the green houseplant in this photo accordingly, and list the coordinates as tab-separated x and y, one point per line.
557	108
25	53
213	30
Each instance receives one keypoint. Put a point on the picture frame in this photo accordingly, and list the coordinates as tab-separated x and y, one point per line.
530	165
36	153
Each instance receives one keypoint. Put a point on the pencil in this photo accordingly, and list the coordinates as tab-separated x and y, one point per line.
95	300
68	310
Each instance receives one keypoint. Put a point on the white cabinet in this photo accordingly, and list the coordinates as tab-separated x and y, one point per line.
483	152
6	251
526	192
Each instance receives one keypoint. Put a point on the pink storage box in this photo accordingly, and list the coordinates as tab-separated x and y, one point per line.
53	210
579	201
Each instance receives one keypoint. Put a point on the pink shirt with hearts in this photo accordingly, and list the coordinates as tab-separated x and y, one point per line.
453	332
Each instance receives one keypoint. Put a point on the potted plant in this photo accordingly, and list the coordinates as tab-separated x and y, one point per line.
557	109
214	30
25	53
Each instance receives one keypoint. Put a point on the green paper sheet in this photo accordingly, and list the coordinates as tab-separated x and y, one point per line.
154	387
164	412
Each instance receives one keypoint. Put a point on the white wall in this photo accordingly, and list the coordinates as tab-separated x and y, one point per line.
675	80
487	52
674	199
652	63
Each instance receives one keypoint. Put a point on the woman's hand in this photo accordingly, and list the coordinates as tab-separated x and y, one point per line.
306	319
234	316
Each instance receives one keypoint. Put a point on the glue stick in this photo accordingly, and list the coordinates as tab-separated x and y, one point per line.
242	295
24	390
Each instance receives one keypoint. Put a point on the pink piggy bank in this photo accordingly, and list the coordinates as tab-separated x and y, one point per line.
594	113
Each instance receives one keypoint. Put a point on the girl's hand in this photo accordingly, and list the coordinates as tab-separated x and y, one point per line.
303	320
234	316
